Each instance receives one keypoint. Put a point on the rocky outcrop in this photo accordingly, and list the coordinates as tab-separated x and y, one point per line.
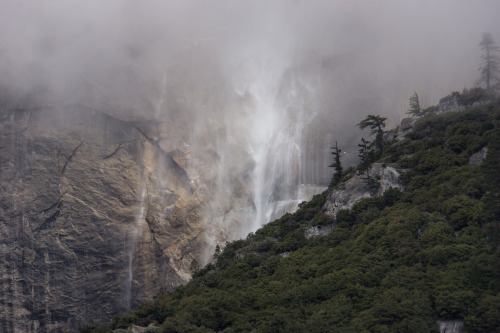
406	126
95	218
356	188
450	103
451	326
478	157
456	103
318	231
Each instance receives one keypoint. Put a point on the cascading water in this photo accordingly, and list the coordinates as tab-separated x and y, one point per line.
262	166
267	123
279	124
131	238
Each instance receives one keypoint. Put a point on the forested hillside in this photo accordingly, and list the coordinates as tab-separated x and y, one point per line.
396	263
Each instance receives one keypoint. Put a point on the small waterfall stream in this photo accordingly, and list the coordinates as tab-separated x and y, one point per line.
130	240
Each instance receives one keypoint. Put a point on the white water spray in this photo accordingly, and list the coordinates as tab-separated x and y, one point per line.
279	122
262	172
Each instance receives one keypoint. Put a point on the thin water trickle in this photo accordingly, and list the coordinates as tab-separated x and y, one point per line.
130	240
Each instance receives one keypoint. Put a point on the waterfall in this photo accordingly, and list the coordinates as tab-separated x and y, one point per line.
282	112
263	168
130	240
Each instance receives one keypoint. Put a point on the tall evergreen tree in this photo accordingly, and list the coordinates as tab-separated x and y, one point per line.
337	164
414	106
490	68
365	154
377	125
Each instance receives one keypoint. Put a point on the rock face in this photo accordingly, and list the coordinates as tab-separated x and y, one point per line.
450	103
318	231
103	204
478	157
451	326
356	188
407	125
95	218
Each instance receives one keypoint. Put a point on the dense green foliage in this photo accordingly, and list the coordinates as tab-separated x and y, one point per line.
395	263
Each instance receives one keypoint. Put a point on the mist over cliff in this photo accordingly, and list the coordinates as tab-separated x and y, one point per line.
63	46
238	74
350	59
217	116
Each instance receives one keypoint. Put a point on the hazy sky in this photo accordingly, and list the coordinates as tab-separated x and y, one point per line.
392	46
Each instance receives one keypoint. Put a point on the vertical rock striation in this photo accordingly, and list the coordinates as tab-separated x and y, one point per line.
90	221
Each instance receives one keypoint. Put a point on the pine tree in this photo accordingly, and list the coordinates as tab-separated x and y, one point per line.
366	156
337	165
217	251
490	68
415	106
377	125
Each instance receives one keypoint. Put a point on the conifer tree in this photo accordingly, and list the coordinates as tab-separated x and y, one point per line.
366	156
337	165
415	106
490	68
217	251
377	125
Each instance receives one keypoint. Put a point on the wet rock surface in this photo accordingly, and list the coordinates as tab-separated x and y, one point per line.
95	218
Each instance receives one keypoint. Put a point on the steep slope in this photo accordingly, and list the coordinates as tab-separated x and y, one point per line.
408	261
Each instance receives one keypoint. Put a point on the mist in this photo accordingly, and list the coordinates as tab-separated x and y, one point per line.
254	92
377	54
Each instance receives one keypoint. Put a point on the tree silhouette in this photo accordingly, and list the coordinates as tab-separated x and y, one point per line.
217	251
337	165
414	106
377	125
490	67
367	156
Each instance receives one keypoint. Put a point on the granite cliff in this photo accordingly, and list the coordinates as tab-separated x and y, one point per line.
95	217
108	198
